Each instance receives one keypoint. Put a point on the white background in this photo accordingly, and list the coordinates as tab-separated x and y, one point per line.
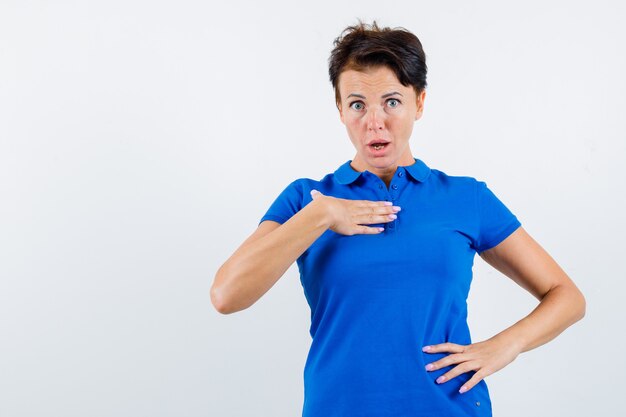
142	141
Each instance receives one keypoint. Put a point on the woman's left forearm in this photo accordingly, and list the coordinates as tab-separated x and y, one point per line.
560	307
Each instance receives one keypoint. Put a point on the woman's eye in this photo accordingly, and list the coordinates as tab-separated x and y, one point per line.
393	102
357	105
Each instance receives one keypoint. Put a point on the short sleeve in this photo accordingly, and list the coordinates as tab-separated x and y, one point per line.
288	203
495	221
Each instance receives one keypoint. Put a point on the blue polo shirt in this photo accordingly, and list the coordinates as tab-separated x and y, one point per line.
377	299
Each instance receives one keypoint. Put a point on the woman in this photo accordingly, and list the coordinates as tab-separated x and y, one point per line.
385	247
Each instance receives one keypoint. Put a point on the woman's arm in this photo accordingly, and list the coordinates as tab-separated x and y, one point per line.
264	257
523	260
562	304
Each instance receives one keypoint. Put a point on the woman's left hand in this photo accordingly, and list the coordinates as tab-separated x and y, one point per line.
484	357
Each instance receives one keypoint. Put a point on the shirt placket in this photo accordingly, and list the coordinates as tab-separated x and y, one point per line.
398	183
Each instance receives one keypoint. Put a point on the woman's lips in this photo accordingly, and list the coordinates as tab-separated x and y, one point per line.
378	152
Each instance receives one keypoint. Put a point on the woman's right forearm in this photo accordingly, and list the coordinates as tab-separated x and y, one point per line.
256	266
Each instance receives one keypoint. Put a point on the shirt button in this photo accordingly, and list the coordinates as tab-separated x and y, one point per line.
394	186
380	186
400	173
477	402
391	225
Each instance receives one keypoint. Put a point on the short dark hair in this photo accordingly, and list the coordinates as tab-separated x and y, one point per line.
364	46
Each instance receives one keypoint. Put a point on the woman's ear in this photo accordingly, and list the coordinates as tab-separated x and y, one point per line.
420	104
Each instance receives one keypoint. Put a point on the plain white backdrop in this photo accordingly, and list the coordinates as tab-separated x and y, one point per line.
142	141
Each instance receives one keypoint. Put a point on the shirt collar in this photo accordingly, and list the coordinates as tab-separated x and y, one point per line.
345	174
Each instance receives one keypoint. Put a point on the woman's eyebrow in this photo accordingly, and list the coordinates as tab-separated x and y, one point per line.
383	96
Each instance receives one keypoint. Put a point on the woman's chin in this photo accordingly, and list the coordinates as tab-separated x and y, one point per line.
380	162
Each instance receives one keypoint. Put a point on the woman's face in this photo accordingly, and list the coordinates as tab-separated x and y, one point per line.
376	107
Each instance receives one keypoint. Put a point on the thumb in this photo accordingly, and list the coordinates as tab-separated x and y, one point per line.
315	193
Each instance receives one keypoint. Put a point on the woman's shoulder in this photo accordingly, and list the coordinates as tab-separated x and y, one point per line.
466	186
448	179
307	182
302	186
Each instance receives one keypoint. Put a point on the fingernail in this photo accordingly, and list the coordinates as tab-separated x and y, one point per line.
393	216
426	348
396	208
463	389
388	203
429	367
441	379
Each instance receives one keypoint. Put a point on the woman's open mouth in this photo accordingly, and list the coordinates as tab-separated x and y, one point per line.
378	148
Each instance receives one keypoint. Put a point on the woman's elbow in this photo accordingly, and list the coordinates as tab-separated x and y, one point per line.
218	298
582	305
218	301
226	297
577	302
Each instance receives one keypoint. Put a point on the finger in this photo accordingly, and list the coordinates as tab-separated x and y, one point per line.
366	230
315	193
454	372
370	203
375	213
475	379
379	208
372	218
444	347
446	361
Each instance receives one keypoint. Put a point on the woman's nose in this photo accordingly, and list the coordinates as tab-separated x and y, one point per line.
375	121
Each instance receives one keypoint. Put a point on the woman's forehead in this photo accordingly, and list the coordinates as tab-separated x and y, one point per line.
380	79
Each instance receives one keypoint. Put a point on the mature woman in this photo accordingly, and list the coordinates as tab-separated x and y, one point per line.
385	247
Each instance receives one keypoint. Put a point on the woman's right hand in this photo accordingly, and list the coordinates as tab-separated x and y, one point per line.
348	217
